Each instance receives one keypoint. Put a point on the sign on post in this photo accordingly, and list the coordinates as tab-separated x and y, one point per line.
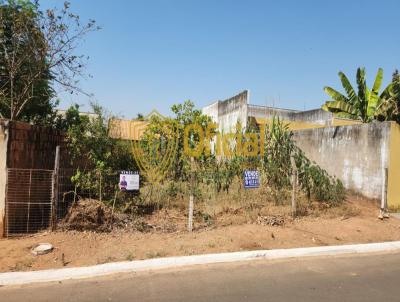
251	179
129	181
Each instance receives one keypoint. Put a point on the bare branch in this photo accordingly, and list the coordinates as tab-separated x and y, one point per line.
38	46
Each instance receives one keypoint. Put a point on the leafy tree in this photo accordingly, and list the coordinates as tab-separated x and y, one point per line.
19	34
361	105
186	114
389	109
37	51
98	157
72	118
183	167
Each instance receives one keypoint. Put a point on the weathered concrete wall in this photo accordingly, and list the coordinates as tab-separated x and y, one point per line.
229	112
212	111
269	112
355	154
3	172
316	116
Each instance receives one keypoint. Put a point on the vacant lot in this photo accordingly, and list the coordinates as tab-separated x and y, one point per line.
353	222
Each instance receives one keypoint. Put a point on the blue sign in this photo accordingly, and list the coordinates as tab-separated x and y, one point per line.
251	179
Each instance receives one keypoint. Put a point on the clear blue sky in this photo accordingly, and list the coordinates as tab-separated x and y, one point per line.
152	54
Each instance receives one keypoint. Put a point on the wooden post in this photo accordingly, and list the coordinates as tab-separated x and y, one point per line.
101	196
294	187
54	190
383	211
191	198
29	201
191	205
112	212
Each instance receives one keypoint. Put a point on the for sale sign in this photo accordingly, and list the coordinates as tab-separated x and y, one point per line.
251	179
129	181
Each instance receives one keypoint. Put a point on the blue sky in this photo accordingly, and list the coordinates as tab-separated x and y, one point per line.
152	54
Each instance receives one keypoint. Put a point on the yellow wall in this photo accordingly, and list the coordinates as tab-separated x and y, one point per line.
344	122
126	129
393	191
299	125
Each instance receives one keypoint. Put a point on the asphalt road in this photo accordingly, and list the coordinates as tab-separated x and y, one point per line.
349	278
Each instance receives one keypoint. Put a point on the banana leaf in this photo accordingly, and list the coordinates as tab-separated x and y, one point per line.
352	97
335	95
340	106
373	97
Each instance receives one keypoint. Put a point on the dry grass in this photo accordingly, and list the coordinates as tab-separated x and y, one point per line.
237	206
241	225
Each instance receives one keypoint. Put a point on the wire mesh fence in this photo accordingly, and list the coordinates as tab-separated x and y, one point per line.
29	196
66	191
29	193
28	201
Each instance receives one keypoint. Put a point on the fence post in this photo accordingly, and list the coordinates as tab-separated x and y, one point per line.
294	186
383	211
191	203
54	190
29	201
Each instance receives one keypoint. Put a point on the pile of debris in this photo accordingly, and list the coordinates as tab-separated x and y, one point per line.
94	215
273	220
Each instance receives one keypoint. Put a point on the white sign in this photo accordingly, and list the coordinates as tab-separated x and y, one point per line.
129	181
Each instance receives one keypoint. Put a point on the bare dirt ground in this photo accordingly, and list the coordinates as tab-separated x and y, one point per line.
354	222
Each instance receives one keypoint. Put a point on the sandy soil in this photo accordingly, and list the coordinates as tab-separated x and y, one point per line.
74	248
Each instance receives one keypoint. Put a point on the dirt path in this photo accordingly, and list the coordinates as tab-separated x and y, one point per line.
88	248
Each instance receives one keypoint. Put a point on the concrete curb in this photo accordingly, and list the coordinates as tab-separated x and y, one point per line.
19	278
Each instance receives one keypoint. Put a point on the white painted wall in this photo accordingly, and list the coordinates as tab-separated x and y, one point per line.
229	112
3	172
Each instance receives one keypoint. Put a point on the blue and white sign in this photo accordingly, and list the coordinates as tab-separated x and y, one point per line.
251	179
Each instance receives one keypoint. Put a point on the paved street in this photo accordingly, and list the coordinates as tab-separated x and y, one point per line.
349	278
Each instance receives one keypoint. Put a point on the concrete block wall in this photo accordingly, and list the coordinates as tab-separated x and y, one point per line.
357	154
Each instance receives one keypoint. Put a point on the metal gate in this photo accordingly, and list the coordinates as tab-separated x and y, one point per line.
28	201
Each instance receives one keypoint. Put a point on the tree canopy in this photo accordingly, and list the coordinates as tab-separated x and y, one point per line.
37	52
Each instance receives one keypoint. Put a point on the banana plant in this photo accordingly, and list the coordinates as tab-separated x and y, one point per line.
389	108
358	106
